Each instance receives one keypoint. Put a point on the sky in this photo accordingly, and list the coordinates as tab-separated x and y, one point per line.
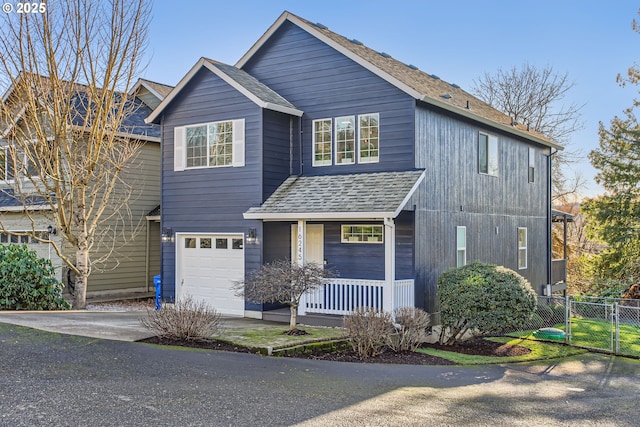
458	40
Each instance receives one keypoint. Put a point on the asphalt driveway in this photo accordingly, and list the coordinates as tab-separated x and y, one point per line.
64	380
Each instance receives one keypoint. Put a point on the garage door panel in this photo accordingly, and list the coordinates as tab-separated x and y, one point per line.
208	266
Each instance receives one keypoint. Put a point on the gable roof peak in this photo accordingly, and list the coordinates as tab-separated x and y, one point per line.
429	89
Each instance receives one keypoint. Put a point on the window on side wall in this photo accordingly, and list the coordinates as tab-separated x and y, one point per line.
532	164
487	154
369	139
461	246
322	140
522	248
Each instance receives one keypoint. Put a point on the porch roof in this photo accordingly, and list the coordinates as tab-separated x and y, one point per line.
357	196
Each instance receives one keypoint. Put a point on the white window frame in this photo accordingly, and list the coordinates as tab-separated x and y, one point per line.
461	249
324	162
491	152
522	249
531	170
341	156
237	145
348	236
361	140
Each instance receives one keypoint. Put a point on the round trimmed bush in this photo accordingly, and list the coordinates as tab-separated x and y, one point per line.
481	299
28	282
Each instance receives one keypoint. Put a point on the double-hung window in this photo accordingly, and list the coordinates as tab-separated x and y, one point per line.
461	246
345	140
322	136
368	131
216	144
522	247
21	162
488	154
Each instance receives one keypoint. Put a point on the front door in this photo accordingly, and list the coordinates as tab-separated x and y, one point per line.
314	247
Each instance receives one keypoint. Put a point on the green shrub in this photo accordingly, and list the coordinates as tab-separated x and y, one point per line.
480	299
368	331
410	329
27	282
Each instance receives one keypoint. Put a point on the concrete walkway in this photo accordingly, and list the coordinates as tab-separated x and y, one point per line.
112	325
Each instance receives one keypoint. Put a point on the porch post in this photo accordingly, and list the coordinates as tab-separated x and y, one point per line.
300	251
389	264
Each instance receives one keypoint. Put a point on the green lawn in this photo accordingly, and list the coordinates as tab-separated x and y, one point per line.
539	351
597	334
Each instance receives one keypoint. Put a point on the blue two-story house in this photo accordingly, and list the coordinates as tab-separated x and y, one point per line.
315	147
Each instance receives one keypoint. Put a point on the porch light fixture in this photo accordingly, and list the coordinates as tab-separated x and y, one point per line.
252	235
52	230
167	235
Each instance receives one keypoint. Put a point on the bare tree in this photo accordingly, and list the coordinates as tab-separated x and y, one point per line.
68	71
535	97
282	282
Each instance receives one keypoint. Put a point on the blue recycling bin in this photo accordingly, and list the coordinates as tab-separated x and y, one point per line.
157	282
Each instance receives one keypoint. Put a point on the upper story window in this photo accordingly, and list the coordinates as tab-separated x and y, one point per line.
8	166
322	142
532	164
345	140
488	154
342	140
215	144
368	130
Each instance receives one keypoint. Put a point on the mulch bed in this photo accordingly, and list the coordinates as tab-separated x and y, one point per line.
480	347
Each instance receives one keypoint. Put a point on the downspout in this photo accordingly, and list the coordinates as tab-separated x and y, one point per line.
290	146
549	218
146	259
300	144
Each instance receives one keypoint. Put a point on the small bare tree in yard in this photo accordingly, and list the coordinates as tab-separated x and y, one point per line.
67	72
282	282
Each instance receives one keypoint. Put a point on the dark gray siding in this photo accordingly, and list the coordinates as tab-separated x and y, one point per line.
325	84
210	200
492	208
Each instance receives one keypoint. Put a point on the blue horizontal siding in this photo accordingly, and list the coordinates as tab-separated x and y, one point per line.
326	84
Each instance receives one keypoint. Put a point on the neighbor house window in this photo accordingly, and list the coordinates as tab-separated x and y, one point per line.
213	144
8	163
362	233
461	246
532	164
345	140
369	142
3	164
322	142
488	154
522	247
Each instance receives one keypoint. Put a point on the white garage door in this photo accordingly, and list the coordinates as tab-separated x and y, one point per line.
207	267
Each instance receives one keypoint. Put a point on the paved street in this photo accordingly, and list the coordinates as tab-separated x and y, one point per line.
64	380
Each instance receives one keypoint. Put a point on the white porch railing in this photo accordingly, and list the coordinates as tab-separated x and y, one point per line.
342	296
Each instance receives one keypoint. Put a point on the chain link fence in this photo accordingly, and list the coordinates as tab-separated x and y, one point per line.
604	324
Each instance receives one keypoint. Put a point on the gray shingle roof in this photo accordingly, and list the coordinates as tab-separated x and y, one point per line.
161	89
253	85
364	195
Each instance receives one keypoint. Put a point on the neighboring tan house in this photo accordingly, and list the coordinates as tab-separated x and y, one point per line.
131	266
315	147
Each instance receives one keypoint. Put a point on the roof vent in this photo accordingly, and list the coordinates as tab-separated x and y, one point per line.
433	76
385	54
321	26
446	96
455	85
358	42
413	67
